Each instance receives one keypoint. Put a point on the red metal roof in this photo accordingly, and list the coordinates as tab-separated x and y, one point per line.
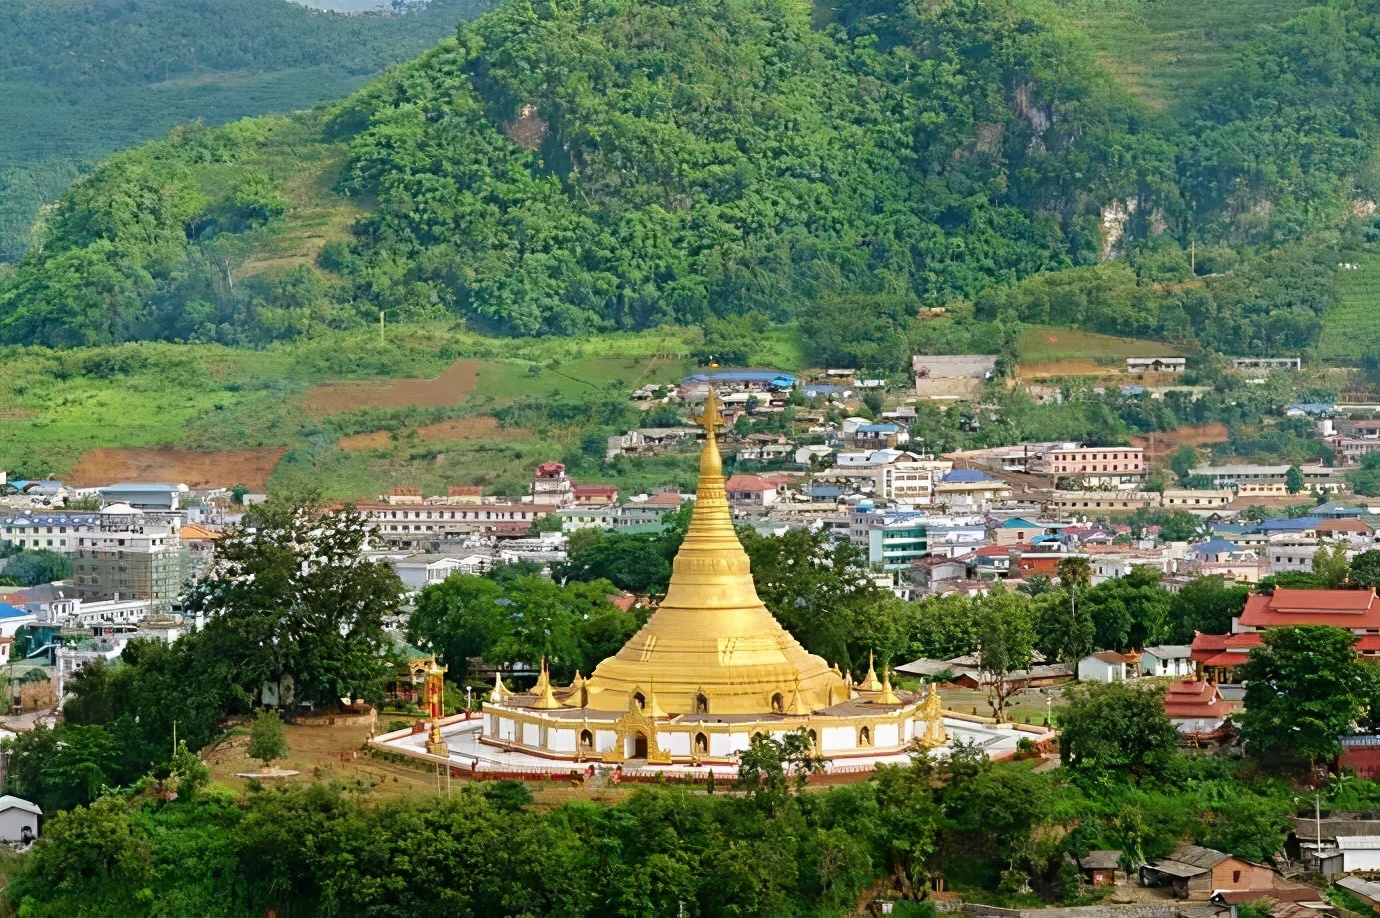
1353	609
748	483
1189	698
1223	649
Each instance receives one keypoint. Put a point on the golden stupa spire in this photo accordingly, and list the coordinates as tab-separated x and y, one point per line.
546	698
869	682
887	696
711	639
499	693
543	680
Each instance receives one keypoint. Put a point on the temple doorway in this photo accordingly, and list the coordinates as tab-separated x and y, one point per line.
640	746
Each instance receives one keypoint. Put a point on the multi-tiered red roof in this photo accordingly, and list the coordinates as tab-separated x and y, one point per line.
1355	610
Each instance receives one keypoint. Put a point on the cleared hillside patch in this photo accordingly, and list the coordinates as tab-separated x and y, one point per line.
1351	328
1166	51
448	389
1041	343
226	468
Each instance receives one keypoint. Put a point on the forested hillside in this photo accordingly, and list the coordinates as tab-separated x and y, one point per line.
606	164
83	78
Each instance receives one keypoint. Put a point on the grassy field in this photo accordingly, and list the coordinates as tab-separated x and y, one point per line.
1352	327
1165	51
56	406
1042	343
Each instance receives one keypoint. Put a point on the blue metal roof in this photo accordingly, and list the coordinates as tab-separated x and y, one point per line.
1283	524
1214	547
746	375
9	611
878	428
1020	523
966	475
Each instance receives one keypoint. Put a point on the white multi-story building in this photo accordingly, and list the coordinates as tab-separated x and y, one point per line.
53	531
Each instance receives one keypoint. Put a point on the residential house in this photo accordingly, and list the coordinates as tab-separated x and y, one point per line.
1103	666
909	481
423	569
1197	709
817	454
1099	868
1156	364
970	489
1167	660
877	436
19	820
1193	872
1019	530
752	491
1358	853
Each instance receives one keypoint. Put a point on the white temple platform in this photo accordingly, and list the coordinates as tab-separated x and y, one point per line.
468	754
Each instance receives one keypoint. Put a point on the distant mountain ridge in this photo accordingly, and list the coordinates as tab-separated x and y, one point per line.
561	168
83	78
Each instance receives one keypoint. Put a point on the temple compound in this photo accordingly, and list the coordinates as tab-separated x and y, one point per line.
710	669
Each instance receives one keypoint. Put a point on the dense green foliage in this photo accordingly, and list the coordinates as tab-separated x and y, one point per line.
989	830
560	168
85	78
1305	689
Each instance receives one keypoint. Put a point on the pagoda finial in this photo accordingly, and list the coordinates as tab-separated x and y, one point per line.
546	698
499	693
888	696
870	683
711	420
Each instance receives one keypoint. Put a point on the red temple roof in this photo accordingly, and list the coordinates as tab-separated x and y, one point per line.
1356	610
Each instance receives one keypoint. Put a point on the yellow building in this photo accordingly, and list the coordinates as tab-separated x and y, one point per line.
710	669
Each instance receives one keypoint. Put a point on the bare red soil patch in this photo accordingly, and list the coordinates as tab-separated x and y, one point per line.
225	468
448	389
462	429
1158	446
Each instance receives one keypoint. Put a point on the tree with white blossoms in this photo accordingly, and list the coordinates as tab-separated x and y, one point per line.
291	594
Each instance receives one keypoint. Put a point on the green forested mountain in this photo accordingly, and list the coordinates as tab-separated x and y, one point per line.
81	79
564	167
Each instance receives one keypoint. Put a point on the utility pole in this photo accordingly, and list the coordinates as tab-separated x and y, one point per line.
1192	257
380	326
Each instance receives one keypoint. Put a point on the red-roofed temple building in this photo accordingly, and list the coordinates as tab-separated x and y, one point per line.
1198	710
1219	656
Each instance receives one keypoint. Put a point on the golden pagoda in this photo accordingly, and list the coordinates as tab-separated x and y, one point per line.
712	647
709	671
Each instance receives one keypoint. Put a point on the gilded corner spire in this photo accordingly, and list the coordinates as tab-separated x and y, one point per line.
870	682
499	693
888	696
